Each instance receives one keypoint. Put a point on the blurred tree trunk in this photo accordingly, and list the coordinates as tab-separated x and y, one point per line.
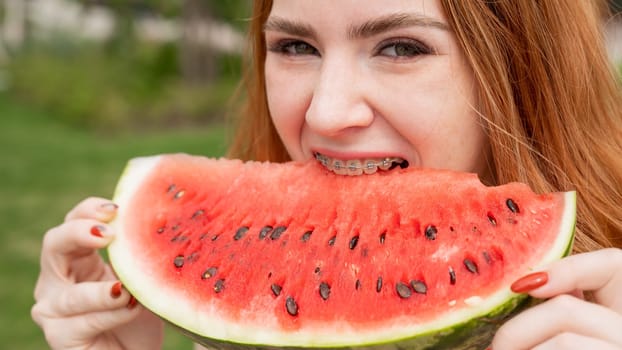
198	61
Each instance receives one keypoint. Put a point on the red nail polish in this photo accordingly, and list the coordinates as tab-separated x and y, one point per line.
530	282
115	291
132	302
97	230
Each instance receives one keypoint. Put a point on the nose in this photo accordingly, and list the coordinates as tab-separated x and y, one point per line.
339	100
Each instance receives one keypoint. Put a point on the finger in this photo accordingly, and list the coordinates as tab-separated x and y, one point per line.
89	297
77	331
70	241
559	315
93	208
599	271
572	341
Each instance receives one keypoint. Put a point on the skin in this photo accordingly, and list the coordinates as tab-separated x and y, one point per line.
346	97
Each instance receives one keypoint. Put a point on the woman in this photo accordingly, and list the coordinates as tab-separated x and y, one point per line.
512	90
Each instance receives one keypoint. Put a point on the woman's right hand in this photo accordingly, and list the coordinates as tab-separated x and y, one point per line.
79	303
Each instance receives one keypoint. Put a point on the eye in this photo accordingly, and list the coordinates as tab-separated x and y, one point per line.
293	48
403	48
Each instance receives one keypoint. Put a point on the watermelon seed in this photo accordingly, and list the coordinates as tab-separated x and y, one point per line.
264	231
291	306
471	266
276	289
430	232
219	285
209	273
403	290
198	213
160	230
383	237
306	236
451	228
277	232
379	284
331	241
486	257
324	290
175	227
512	205
452	275
317	269
179	261
179	194
194	256
179	238
171	188
215	237
419	286
357	285
240	232
491	219
203	236
353	242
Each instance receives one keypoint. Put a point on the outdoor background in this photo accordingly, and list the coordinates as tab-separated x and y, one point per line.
87	84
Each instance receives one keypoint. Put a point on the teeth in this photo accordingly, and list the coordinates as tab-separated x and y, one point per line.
357	166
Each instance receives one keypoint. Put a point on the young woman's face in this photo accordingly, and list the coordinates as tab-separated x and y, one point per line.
356	82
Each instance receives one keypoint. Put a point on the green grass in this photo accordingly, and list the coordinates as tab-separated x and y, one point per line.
45	169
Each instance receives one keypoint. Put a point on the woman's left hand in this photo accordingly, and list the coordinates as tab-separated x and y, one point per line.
567	321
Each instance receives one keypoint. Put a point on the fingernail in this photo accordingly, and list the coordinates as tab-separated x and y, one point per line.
109	207
116	289
530	282
132	302
98	230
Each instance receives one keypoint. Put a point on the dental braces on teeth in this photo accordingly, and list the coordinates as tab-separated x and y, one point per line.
357	167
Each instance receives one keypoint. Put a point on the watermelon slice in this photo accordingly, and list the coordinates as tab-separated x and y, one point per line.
264	256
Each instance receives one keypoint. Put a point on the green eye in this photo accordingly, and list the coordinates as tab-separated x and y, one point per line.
404	48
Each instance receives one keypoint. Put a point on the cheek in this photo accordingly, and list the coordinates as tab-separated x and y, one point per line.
287	102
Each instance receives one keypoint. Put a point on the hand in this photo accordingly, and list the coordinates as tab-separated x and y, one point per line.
566	321
79	304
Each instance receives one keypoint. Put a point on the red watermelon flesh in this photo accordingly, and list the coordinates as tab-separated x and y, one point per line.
292	255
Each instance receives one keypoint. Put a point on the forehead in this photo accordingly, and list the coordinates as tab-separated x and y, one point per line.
335	12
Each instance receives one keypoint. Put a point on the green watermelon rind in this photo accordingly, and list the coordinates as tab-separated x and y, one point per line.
451	332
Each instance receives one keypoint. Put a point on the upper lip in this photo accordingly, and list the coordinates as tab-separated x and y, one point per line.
356	155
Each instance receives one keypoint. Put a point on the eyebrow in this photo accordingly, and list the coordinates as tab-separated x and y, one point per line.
364	30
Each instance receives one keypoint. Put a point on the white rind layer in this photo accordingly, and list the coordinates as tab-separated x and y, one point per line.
209	323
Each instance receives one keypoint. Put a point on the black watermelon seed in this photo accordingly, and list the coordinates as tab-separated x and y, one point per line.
452	275
179	261
264	231
430	232
209	273
160	230
357	285
276	289
383	237
240	232
291	306
277	232
219	285
512	205
491	219
175	227
419	286
179	194
470	265
331	241
171	188
215	237
486	256
198	213
306	236
379	284
317	269
354	241
403	290
324	290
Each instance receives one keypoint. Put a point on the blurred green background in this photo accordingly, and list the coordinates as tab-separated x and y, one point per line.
84	86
